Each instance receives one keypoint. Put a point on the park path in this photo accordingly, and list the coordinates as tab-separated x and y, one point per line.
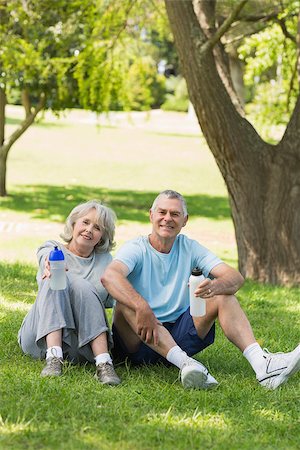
30	227
19	239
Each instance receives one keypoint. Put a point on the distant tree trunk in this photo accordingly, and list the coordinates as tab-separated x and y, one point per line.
2	115
263	181
3	157
3	160
6	144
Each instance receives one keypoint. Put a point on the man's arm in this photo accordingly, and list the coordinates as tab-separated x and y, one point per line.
226	281
115	282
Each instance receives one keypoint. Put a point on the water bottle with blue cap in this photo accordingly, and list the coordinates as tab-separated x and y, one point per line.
58	279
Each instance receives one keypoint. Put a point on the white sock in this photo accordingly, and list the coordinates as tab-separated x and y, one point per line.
54	351
103	358
256	357
177	356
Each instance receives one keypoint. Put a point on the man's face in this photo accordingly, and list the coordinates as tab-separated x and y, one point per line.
167	219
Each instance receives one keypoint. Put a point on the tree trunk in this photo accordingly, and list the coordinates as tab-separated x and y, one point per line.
6	145
3	159
26	101
2	115
263	181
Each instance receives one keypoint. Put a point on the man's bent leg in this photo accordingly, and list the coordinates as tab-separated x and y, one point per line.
232	319
193	373
124	321
272	369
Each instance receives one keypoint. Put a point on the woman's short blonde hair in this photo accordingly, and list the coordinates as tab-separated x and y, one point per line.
106	219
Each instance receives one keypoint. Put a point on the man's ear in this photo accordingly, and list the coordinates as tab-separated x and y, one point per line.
150	214
185	221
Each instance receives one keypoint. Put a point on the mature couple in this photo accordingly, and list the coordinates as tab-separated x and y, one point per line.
148	278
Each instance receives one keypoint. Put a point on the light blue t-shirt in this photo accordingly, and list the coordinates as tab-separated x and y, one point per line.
162	278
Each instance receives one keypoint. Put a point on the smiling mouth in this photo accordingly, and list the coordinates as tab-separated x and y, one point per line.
86	237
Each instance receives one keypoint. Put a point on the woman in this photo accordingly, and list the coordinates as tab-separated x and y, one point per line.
72	323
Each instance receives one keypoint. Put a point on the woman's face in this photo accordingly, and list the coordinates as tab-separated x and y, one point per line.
86	232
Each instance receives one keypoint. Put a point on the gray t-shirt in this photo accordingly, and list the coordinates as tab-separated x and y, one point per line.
91	268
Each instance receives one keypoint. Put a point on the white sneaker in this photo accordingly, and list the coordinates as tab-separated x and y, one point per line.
279	367
195	376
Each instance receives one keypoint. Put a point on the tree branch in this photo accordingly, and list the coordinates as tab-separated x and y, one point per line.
211	42
24	125
259	18
292	131
26	101
122	27
204	10
285	31
291	86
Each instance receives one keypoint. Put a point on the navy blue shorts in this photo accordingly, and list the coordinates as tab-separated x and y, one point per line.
183	332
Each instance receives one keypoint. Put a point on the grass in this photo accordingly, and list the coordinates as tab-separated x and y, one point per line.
149	409
56	165
51	169
51	202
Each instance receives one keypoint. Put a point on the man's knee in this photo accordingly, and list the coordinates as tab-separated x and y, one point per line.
226	301
124	322
123	313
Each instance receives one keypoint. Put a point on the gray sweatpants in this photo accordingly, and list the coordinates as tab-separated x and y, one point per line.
77	310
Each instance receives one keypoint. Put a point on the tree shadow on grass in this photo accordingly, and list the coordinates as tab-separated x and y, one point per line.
55	202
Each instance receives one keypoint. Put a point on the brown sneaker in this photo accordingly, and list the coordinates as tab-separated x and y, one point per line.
53	367
105	373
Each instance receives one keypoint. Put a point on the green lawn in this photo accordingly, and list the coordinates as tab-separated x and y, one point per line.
51	169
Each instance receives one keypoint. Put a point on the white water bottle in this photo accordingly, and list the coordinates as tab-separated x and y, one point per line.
197	304
58	279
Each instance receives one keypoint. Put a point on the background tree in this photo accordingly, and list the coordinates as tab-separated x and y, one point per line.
39	41
95	54
262	179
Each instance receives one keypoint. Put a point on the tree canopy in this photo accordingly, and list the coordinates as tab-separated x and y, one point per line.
96	54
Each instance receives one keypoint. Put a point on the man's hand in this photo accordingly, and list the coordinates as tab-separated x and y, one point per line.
147	324
226	281
207	289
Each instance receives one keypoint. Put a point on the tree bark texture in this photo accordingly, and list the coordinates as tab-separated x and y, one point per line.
2	115
263	181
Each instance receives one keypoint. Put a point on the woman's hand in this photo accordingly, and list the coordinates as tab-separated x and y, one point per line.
46	273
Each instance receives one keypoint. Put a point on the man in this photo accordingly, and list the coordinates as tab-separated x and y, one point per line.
152	321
